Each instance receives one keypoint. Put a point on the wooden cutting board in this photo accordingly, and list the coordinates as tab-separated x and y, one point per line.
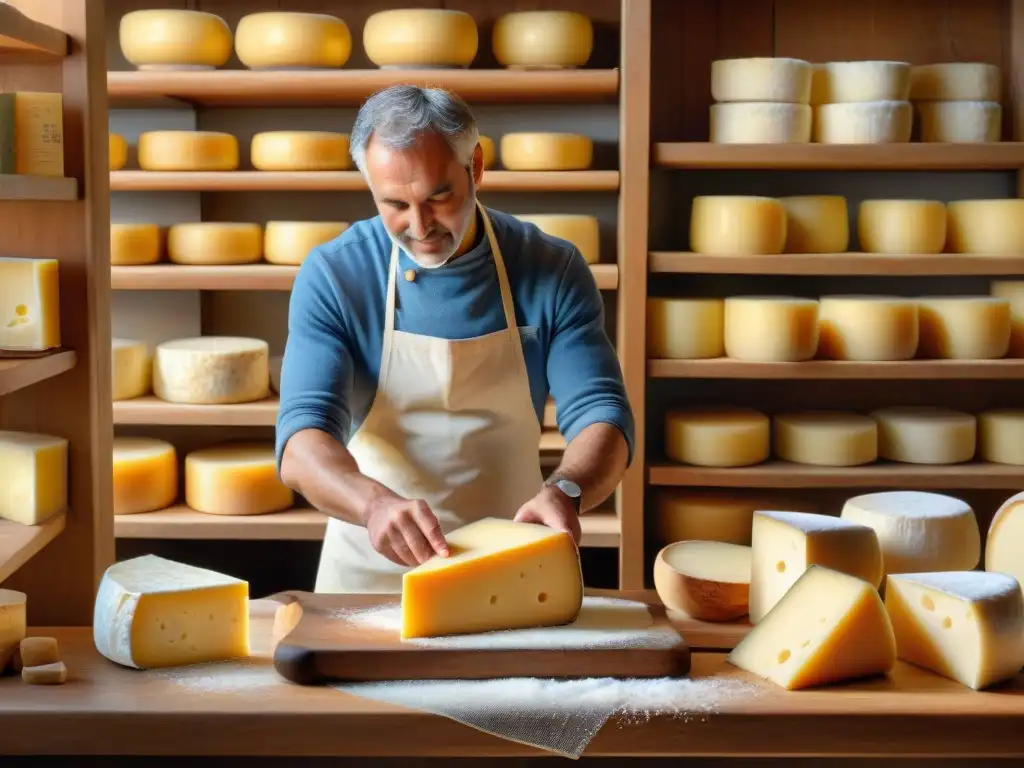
347	638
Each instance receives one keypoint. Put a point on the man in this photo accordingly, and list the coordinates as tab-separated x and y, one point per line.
422	345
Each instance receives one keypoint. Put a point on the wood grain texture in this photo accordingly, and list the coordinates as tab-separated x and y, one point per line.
836	264
16	374
728	368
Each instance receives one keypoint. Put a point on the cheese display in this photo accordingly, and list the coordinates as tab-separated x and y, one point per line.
785	544
117	151
151	612
300	151
1013	292
736	225
717	436
901	226
131	369
212	370
510	576
829	627
761	79
145	475
13	624
816	224
579	229
420	37
542	39
986	227
546	151
706	580
235	479
960	81
489	150
864	122
964	327
29	304
760	122
921	434
134	244
1005	539
33	476
1001	436
868	328
838	82
290	242
771	328
718	515
919	531
32	133
187	151
275	373
685	329
960	121
825	438
279	39
207	243
967	626
174	39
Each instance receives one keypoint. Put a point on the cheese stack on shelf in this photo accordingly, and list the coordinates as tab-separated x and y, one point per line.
986	227
760	101
861	102
957	102
902	226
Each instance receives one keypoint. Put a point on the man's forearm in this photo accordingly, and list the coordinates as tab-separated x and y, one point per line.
595	460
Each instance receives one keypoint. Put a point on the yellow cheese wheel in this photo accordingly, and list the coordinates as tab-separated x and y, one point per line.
1013	292
921	434
734	225
174	39
867	328
235	479
955	81
964	327
289	242
864	122
134	244
276	39
771	329
543	39
901	226
717	436
1001	436
986	227
188	151
579	229
685	329
117	151
145	475
300	151
546	151
131	369
691	515
490	151
959	122
761	79
816	224
420	37
208	243
826	438
858	81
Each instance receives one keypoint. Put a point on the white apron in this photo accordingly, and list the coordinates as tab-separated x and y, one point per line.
452	423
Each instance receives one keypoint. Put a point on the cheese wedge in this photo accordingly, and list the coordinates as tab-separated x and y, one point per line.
33	476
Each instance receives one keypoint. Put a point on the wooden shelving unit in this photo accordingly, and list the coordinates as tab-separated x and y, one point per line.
24	39
835	264
39	188
725	368
17	373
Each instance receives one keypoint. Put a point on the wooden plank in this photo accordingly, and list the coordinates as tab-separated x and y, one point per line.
835	264
727	368
38	188
18	373
20	543
22	38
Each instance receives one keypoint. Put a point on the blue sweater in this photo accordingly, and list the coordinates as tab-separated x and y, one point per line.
336	325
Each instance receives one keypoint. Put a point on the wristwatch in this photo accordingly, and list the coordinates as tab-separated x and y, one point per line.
569	488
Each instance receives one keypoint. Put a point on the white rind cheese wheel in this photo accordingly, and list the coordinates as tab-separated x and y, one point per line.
961	81
737	225
543	39
300	151
717	436
174	39
145	475
580	230
838	82
826	438
420	37
275	373
1013	292
290	242
294	40
816	224
208	243
1001	436
919	532
117	151
920	434
760	122
964	327
771	329
1005	539
188	151
986	227
546	151
489	150
865	122
867	328
235	479
134	244
960	122
761	79
212	370
706	580
685	329
131	369
901	226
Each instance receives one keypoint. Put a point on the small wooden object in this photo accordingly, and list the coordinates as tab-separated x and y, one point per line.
47	674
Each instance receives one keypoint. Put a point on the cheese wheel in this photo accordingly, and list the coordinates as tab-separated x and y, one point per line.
289	242
145	475
188	151
300	151
838	82
816	224
489	150
1013	292
761	79
1001	436
580	230
1005	539
735	225
960	122
986	227
277	39
717	436
207	243
825	438
960	81
685	329
275	373
760	122
130	369
212	370
174	39
134	244
865	122
546	151
117	151
964	327
542	39
901	226
916	434
771	329
235	479
420	37
685	515
867	328
706	580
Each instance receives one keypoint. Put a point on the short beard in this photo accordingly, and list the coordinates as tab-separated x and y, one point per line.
439	260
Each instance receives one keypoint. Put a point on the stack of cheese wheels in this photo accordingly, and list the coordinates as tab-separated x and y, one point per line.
862	102
279	39
420	37
918	434
964	327
771	329
1013	292
957	103
290	242
489	150
1001	436
532	151
300	151
902	226
188	151
737	225
210	243
867	328
579	229
542	40
117	151
130	368
235	479
145	475
816	224
825	438
717	436
986	227
760	101
174	39
134	244
685	329
212	370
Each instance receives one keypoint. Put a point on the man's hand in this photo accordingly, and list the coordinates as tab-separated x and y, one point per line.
404	531
552	508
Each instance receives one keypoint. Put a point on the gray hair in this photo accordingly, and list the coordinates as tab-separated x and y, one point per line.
399	115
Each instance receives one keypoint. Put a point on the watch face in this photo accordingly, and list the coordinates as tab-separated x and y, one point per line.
570	488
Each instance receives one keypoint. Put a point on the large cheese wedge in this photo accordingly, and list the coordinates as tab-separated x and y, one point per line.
1001	436
865	122
868	328
922	434
277	39
685	329
964	327
300	151
986	227
209	243
959	122
235	479
542	39
151	613
785	544
828	628
145	475
131	369
117	151
717	436
499	575
967	626
766	329
736	225
836	82
760	122
761	79
719	515
955	81
579	229
1004	544
901	226
13	624
706	580
212	370
420	37
1013	292
919	531
816	224
546	151
134	244
29	304
174	39
290	242
187	151
826	438
33	476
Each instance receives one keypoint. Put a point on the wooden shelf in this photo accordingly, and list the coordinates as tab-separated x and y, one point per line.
19	543
727	368
313	88
27	39
41	188
882	265
18	373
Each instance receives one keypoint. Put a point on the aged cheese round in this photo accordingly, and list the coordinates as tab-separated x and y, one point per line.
761	79
489	150
986	227
760	122
543	39
960	122
300	151
579	229
717	436
145	475
420	37
207	243
825	438
736	225
1013	292
117	151
864	122
212	370
964	327
959	81
867	328
719	515
188	151
1005	539
235	479
174	39
918	434
685	329
901	226
289	242
295	40
275	373
838	82
546	151
767	329
134	244
1001	436
816	224
706	580
130	368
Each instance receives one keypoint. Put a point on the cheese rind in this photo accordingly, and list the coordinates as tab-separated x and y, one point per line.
187	151
425	37
760	122
293	40
134	244
300	151
866	122
33	476
210	370
685	329
870	328
901	226
706	580
145	475
778	79
542	39
964	327
826	438
290	242
986	227
717	436
1005	540
960	122
816	224
546	151
208	243
174	39
920	434
117	151
771	328
837	82
1001	436
13	624
29	304
235	479
131	372
578	229
959	81
1013	292
737	225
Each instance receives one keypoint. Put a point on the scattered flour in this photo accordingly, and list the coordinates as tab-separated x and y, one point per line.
224	677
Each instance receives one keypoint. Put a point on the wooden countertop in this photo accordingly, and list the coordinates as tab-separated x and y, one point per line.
247	709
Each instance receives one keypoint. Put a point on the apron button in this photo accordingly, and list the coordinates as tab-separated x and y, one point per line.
410	275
